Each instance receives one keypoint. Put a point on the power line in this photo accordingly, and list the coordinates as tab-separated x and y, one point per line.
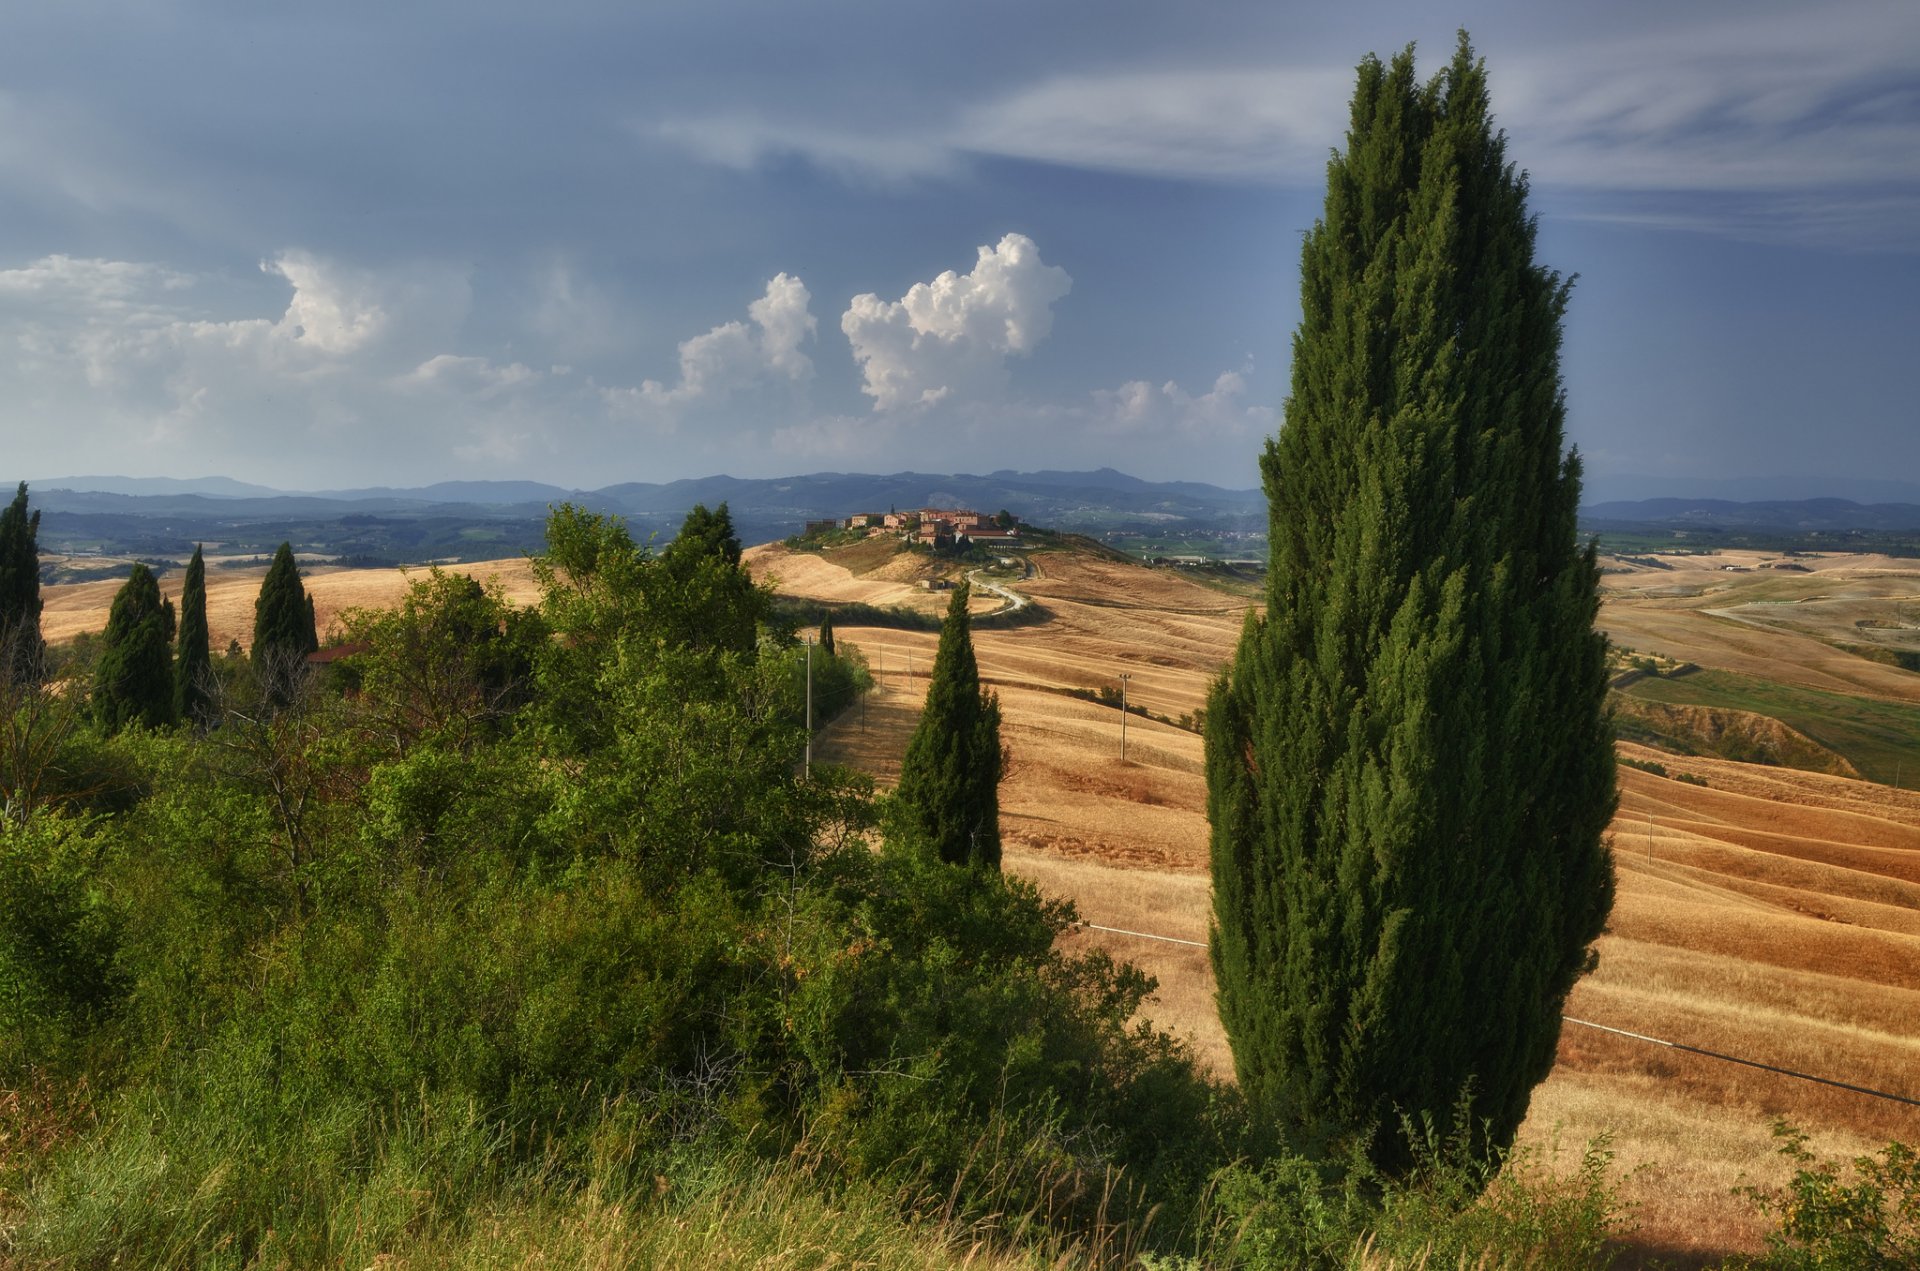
1750	1063
1620	1032
1144	935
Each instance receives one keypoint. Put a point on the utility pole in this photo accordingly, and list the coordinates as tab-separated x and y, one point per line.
809	761
1123	717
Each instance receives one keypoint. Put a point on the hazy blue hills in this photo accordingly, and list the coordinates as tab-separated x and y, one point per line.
1796	515
162	518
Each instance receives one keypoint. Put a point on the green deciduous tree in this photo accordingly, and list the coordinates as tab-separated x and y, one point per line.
283	628
21	649
1409	760
949	790
193	667
699	594
447	666
133	681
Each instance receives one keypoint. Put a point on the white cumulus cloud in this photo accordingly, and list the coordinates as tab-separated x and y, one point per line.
736	357
949	339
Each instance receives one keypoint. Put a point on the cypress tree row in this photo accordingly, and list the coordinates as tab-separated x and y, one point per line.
283	628
133	681
21	648
193	667
1409	761
950	778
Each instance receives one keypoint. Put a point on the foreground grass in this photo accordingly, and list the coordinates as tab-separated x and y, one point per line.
1877	737
775	1219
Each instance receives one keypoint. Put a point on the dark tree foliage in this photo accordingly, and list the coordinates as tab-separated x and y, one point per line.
706	533
21	649
133	681
826	634
1409	761
448	666
283	628
193	667
702	596
950	778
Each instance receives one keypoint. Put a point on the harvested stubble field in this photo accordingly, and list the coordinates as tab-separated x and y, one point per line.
73	608
1771	914
1737	611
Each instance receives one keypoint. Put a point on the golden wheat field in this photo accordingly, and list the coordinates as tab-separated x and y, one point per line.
1772	914
73	608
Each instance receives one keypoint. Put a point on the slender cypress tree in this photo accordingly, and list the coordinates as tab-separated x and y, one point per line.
283	628
133	681
826	634
950	778
21	648
193	667
1409	761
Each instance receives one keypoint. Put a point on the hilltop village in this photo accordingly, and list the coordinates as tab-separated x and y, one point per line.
932	527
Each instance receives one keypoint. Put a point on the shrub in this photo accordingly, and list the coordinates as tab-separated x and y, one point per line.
1830	1224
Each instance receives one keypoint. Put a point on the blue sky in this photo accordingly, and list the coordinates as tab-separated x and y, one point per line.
359	243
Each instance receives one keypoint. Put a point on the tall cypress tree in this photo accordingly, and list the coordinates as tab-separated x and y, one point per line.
21	648
1409	761
133	681
283	628
193	667
950	778
826	634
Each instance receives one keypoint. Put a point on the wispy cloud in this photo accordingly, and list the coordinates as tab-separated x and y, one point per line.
1795	109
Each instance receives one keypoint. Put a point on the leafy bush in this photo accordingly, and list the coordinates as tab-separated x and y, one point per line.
1827	1222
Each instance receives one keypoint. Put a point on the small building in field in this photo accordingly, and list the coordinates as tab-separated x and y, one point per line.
991	534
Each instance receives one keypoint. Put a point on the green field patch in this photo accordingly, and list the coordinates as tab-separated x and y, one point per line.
1881	739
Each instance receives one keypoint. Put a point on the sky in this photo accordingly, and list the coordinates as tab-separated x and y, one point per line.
366	243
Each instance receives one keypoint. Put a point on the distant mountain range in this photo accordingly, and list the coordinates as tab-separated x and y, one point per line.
151	512
144	514
818	492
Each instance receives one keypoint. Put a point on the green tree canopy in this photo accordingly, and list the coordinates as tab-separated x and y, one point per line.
21	648
699	594
1409	761
706	533
193	667
448	665
133	680
949	789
